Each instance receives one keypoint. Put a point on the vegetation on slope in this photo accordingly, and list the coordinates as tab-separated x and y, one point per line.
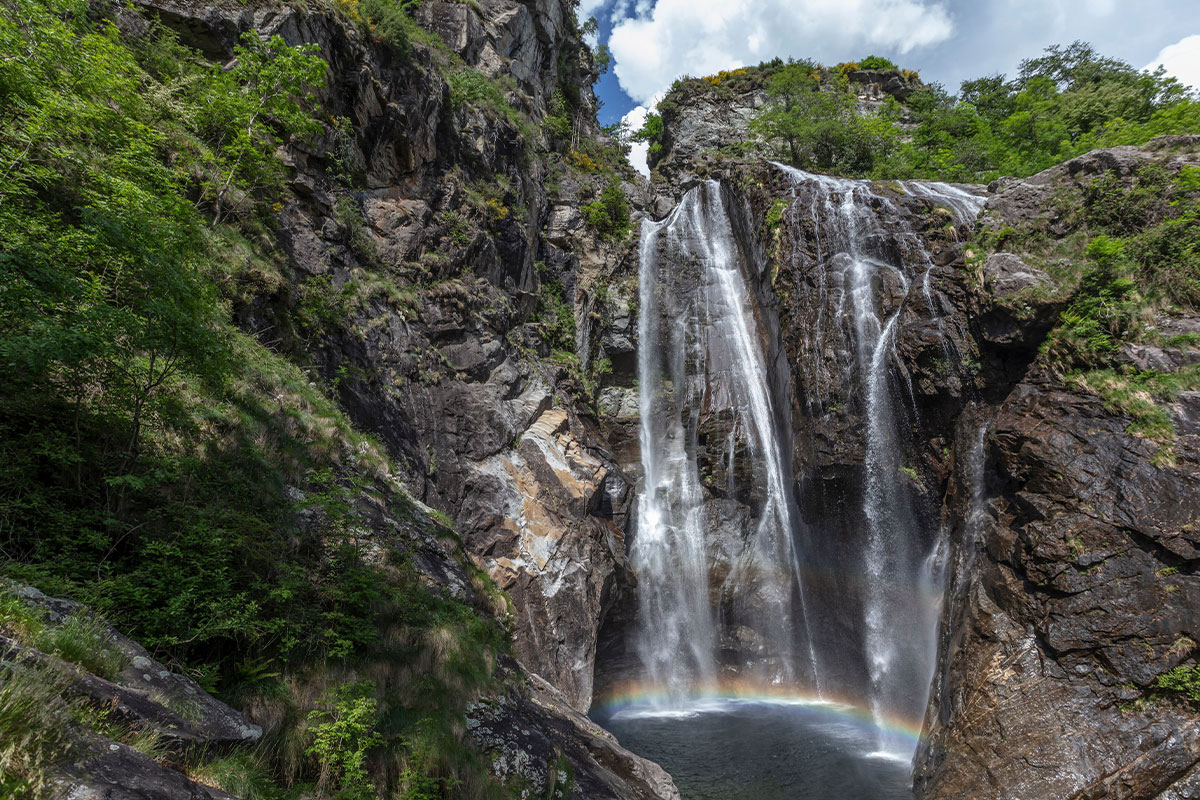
1061	104
172	472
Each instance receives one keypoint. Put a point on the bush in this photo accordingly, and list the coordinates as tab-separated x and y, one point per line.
1185	680
343	733
1103	313
609	216
876	63
652	133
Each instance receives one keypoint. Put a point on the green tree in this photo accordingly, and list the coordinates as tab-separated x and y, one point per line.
262	97
343	734
818	126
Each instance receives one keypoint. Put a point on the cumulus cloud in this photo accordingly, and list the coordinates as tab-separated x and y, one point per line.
699	37
1182	60
639	152
589	8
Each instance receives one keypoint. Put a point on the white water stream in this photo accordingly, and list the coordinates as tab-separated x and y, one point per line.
701	356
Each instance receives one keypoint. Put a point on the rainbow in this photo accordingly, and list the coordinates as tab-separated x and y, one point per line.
639	698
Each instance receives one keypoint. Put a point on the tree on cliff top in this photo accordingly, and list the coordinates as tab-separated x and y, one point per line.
812	122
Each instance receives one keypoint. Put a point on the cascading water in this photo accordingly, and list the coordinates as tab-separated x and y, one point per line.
786	612
861	275
701	356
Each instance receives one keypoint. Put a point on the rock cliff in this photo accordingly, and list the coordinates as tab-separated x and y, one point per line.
454	259
1072	587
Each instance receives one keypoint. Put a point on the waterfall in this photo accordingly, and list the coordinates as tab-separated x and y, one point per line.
720	540
966	206
701	363
865	260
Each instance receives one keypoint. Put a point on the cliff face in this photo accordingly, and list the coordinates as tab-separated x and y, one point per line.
445	259
441	247
1075	584
1071	586
432	264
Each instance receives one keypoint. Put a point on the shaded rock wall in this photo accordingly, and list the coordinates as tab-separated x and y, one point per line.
1074	584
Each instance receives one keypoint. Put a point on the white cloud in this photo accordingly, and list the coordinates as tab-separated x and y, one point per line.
638	151
634	120
589	8
699	37
1182	60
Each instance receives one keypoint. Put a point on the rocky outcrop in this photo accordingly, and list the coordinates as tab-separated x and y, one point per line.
1075	584
537	735
1084	592
534	520
425	221
1073	568
139	693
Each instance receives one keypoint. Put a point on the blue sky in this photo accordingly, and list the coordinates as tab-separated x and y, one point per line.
655	41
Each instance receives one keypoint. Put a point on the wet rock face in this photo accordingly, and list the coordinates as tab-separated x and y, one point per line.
1075	582
1085	591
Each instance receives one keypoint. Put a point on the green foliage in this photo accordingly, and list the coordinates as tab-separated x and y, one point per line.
651	132
818	127
390	21
242	774
1185	680
774	218
350	214
1103	313
602	58
264	94
876	62
470	87
558	123
1061	104
556	313
1141	395
18	620
609	215
343	732
419	779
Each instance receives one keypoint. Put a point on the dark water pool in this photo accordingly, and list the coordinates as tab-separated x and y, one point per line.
759	751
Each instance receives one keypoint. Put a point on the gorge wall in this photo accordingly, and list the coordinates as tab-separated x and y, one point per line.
1071	558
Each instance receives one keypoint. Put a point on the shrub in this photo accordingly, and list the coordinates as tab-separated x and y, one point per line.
1104	310
1185	680
651	132
556	315
343	733
609	216
876	63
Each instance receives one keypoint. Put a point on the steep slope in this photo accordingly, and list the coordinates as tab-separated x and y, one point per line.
1075	587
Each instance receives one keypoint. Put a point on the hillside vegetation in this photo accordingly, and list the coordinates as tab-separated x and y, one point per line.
196	487
1061	104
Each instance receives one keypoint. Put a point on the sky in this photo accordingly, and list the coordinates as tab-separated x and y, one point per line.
653	42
